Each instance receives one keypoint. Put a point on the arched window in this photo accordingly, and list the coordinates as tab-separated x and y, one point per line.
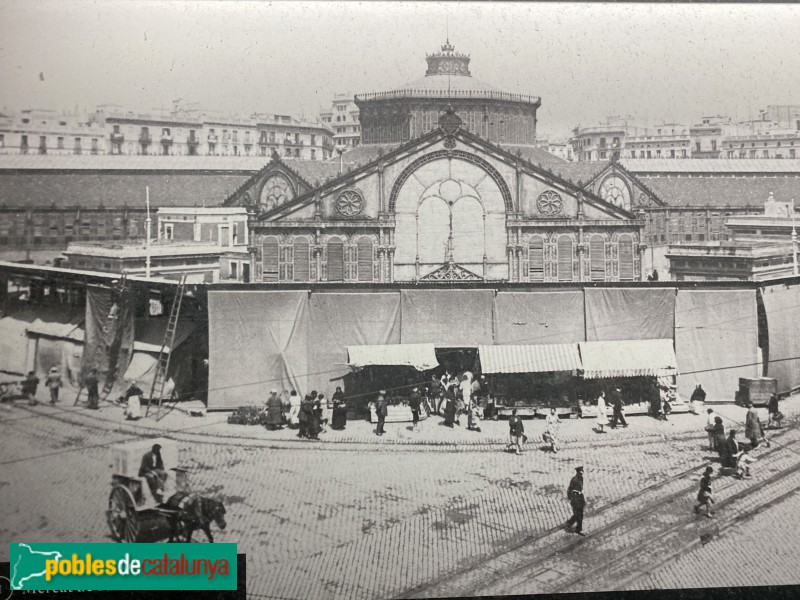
597	258
335	260
302	260
625	246
536	258
365	272
270	258
565	258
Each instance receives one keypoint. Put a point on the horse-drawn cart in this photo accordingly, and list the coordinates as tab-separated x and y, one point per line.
135	515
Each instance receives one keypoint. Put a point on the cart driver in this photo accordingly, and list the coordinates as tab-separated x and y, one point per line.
152	469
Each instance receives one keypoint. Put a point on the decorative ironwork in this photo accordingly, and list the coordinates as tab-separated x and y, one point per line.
276	191
349	203
549	203
460	154
450	122
451	272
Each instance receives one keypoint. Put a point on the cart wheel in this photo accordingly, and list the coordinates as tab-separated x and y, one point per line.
122	518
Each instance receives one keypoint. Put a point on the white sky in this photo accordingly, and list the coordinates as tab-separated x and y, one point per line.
586	61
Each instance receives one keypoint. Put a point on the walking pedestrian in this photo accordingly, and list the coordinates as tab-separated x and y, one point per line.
710	421
304	417
449	409
516	432
704	498
743	465
752	427
382	411
732	451
274	411
616	403
315	420
576	501
719	438
414	404
602	416
339	416
551	430
29	385
90	382
775	415
697	399
294	409
53	382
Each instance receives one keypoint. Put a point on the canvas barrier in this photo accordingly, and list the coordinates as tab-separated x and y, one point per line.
107	351
716	340
781	305
340	320
548	317
454	318
258	341
629	313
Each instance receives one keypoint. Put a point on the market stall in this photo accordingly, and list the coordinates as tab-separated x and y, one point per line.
644	370
396	368
531	378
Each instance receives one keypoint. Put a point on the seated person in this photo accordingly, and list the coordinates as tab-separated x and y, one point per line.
152	469
133	402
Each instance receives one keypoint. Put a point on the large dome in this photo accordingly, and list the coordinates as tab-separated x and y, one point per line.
445	83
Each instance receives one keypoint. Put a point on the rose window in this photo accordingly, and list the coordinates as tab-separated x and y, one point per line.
349	203
549	203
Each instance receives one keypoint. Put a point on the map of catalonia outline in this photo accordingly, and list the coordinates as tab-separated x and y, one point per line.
16	582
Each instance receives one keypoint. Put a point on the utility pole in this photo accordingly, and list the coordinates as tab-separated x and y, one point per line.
147	222
794	242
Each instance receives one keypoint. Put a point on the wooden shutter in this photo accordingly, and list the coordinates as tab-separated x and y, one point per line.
536	259
597	258
335	260
270	254
564	259
625	258
365	259
302	262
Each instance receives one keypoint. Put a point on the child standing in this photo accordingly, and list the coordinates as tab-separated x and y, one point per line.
704	495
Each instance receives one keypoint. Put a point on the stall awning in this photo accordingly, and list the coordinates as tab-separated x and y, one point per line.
419	356
628	358
539	358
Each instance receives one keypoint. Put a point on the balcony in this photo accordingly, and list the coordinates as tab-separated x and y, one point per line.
192	141
144	138
117	138
288	142
166	139
212	138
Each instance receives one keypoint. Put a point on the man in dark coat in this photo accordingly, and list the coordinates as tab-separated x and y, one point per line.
381	411
339	416
616	403
274	411
413	403
576	501
731	450
91	382
303	417
29	385
152	469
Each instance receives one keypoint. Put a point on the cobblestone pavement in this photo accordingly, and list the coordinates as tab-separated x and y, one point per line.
360	517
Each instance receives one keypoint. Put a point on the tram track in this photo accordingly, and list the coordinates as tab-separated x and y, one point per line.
488	573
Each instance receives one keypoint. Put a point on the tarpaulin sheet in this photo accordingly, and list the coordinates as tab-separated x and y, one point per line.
628	358
629	313
783	326
540	358
548	317
107	351
420	356
13	345
257	341
454	318
340	320
716	340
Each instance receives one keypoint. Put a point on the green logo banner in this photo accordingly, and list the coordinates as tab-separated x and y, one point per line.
123	566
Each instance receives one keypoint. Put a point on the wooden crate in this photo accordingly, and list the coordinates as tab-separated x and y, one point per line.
757	390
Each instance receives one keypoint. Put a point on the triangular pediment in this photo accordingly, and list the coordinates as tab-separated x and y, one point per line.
451	272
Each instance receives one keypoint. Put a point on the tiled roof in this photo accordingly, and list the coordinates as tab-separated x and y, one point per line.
537	156
114	189
314	171
363	154
108	162
721	165
723	191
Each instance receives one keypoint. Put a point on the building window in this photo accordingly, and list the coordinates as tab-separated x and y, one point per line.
233	270
78	145
60	143
169	231
313	140
597	258
697	147
625	246
713	145
641	153
672	153
365	260
564	258
313	154
536	259
649	155
302	261
270	255
335	260
42	144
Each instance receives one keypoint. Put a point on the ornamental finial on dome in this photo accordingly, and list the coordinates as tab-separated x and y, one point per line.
447	62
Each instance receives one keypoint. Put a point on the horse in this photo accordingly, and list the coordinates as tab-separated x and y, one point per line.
194	512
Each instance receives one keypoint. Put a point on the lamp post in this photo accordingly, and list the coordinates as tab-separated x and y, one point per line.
147	222
794	242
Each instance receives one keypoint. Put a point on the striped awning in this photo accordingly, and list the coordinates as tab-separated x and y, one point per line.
628	358
420	356
539	358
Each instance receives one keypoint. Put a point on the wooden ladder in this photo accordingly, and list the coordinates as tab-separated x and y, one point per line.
167	346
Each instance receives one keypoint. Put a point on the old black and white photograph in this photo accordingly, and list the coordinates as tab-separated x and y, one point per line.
405	299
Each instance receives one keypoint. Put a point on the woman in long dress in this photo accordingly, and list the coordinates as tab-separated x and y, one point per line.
551	430
294	409
602	416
